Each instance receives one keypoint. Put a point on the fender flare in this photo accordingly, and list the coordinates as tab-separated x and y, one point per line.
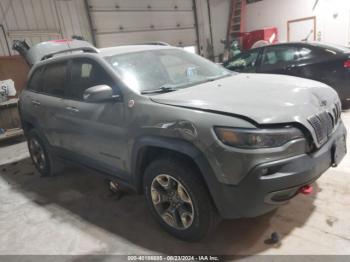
176	145
173	144
214	187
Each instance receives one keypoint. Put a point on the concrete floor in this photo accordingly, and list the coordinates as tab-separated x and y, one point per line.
74	213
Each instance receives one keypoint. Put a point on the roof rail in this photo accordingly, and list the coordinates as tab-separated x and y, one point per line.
86	49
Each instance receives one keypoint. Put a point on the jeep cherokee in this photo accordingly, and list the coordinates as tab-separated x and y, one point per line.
200	142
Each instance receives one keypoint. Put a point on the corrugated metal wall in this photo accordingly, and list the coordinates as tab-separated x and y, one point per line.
41	20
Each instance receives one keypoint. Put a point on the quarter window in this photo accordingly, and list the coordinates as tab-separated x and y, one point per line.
305	53
85	74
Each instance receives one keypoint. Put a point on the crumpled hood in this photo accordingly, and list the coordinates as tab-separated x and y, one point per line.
265	99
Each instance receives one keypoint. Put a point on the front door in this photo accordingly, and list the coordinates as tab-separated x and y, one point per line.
97	131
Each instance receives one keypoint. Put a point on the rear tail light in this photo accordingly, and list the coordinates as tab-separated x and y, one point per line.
347	64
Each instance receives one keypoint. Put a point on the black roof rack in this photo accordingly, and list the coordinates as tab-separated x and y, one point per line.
86	49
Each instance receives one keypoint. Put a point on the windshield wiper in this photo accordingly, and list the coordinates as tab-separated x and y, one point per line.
162	89
173	87
213	78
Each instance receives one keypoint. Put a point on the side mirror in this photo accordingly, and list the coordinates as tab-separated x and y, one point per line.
99	93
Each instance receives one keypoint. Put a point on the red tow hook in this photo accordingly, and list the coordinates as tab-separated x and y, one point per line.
306	190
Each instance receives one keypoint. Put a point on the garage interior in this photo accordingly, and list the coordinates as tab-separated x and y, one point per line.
75	213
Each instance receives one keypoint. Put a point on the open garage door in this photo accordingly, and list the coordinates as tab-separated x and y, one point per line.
139	21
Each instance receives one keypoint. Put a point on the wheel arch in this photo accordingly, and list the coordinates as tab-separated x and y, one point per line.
149	148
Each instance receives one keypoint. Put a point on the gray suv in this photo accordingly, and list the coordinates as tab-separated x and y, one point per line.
200	142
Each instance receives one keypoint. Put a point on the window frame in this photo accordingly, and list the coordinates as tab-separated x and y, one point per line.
116	85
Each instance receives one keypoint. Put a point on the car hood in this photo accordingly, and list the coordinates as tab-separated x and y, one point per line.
264	99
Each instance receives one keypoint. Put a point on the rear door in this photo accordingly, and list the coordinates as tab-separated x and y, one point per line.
29	105
42	102
97	131
50	101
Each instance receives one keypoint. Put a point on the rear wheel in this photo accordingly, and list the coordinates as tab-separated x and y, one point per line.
178	199
39	153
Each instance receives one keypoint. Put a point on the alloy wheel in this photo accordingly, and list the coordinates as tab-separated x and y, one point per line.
37	153
172	201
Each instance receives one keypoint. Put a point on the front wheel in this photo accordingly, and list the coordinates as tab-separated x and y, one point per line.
178	199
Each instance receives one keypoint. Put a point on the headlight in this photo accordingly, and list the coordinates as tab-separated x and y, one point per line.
257	138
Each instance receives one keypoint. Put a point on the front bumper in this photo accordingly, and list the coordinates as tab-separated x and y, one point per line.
271	184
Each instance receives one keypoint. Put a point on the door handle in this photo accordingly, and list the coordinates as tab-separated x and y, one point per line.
36	102
72	109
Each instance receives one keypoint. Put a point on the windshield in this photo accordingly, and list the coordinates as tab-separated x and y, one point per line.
156	69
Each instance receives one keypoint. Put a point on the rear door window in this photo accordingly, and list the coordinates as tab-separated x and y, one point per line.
276	57
55	79
86	73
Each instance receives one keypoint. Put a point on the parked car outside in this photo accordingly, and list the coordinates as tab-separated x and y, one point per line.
326	63
200	142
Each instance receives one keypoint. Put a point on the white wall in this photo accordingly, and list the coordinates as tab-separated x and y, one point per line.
332	16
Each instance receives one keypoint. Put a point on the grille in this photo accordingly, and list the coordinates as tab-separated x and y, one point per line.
324	123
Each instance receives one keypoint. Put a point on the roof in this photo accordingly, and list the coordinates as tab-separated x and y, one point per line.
111	51
316	44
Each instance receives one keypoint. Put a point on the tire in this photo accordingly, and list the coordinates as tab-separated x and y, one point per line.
196	216
39	153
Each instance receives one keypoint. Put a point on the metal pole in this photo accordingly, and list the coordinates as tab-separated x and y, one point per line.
93	37
211	31
7	43
196	24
